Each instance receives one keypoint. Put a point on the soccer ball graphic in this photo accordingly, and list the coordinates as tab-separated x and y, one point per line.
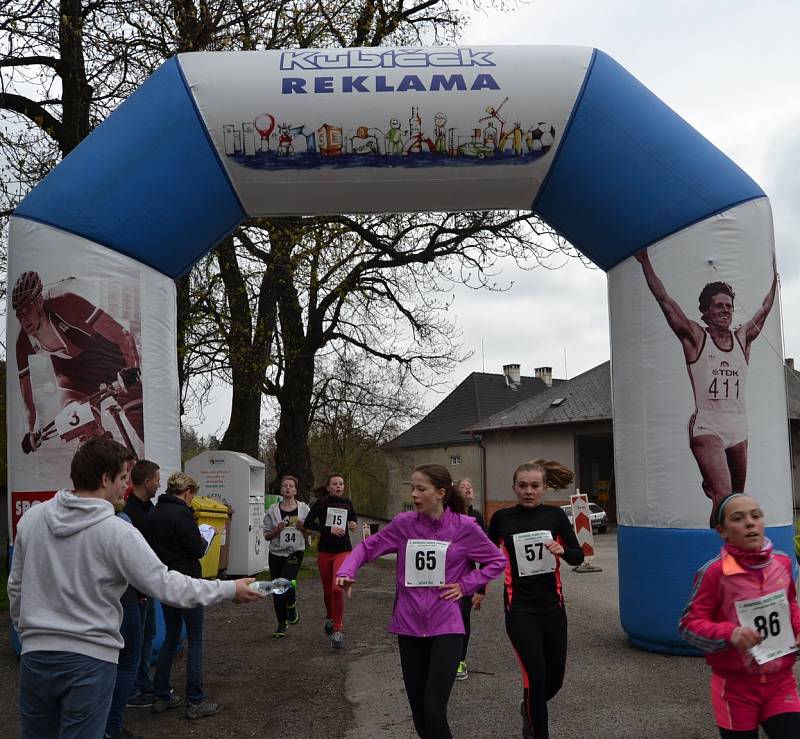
541	137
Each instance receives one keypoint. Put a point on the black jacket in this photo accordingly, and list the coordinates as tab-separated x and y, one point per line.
315	521
174	536
138	512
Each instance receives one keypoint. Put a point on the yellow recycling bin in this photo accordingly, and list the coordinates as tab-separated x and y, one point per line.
212	512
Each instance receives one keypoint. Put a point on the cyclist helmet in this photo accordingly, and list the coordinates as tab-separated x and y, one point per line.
27	288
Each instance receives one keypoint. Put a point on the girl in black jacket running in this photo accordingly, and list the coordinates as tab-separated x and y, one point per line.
534	538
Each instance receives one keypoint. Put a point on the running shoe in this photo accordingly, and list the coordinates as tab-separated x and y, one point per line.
279	632
160	705
201	710
337	640
328	626
140	700
294	616
123	733
461	672
527	733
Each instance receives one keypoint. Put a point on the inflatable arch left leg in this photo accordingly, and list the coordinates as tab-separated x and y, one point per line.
210	139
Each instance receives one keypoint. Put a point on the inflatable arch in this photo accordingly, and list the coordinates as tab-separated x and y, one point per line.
210	139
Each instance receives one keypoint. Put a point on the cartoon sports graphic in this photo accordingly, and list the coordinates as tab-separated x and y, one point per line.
270	143
78	366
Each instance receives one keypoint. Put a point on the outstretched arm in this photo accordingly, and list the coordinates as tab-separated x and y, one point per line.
756	323
676	318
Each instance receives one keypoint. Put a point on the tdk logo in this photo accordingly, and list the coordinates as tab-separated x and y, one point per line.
388	59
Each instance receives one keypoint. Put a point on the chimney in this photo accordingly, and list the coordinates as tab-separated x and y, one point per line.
789	361
545	374
511	371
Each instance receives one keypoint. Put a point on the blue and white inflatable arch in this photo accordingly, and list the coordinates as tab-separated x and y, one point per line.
211	139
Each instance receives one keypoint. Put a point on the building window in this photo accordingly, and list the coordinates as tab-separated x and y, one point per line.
455	459
408	507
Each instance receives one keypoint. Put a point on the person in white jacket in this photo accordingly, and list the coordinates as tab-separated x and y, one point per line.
283	528
73	559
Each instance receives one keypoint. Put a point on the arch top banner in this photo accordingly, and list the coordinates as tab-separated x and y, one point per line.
212	138
360	130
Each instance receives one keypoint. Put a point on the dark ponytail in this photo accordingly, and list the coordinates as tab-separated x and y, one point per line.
440	478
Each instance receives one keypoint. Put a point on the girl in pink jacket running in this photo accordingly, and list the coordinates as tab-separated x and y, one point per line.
436	545
743	614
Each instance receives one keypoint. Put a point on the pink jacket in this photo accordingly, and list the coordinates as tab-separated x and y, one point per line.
709	619
419	611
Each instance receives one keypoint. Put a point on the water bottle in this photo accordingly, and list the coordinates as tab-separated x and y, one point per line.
278	586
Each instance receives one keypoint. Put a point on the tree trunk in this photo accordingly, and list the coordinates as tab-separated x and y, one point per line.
184	316
76	94
292	455
244	428
248	353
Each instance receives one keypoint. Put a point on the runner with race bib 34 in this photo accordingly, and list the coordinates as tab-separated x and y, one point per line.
436	546
534	538
283	528
743	615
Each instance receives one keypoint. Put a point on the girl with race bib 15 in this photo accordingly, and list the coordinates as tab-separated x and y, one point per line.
743	615
535	538
333	517
436	546
283	528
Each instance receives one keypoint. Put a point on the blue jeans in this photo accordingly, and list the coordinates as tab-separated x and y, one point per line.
131	632
64	694
174	618
144	681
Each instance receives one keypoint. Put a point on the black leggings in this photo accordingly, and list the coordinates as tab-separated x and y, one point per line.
466	612
540	641
781	726
429	670
287	567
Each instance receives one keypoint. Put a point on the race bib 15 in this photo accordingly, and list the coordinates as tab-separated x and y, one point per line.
336	518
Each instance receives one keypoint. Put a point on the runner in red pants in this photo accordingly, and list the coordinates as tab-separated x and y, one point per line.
332	516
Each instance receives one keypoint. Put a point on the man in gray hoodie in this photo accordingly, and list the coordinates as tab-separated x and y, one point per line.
73	559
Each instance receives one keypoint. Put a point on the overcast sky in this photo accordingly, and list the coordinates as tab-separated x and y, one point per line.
728	68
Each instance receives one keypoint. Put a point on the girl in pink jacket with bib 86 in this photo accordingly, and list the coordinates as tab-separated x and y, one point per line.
743	614
436	545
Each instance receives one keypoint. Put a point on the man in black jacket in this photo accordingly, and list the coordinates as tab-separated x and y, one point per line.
176	540
146	480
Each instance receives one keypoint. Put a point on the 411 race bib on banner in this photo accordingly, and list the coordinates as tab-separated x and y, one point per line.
425	560
769	616
533	556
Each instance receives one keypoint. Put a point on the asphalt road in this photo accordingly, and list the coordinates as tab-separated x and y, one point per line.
298	686
611	690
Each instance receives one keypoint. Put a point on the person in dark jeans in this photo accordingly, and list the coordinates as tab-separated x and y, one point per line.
468	602
146	479
176	540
